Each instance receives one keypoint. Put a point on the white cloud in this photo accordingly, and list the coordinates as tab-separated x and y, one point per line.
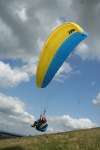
13	116
86	52
90	22
62	73
11	104
96	101
27	22
83	50
22	14
66	123
10	76
13	76
24	24
30	67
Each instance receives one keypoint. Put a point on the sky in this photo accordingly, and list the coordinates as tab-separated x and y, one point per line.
72	99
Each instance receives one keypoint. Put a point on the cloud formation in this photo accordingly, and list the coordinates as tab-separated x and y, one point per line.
96	101
62	73
24	23
66	123
88	13
82	50
12	76
13	116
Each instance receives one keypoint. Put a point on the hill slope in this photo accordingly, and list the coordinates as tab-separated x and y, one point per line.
74	140
4	135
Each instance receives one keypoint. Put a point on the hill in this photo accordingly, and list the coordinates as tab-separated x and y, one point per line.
7	135
74	140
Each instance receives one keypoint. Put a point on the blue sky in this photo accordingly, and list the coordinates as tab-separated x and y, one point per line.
74	94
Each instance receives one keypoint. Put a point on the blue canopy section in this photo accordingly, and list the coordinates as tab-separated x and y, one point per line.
62	53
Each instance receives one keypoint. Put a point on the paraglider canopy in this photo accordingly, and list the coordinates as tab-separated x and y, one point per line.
61	42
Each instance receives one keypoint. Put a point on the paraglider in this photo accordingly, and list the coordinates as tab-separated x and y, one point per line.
41	123
60	44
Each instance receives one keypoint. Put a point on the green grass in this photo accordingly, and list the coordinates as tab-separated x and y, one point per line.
74	140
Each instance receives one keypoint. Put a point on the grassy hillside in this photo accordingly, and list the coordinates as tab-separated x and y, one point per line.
75	140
